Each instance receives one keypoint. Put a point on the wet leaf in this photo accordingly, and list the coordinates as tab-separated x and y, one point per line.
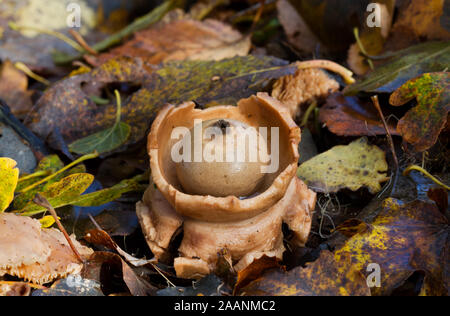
422	125
73	285
405	65
9	176
352	116
352	166
402	239
183	39
206	82
14	89
324	277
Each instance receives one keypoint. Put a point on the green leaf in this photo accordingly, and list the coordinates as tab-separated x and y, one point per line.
104	141
9	176
422	124
405	65
353	166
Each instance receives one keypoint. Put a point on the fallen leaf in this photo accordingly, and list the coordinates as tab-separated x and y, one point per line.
422	125
35	254
405	65
440	197
323	277
402	239
254	271
61	193
206	82
114	266
9	177
182	40
298	32
49	165
104	141
351	116
352	166
14	89
418	21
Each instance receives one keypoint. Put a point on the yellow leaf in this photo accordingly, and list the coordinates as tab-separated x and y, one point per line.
9	177
353	166
47	221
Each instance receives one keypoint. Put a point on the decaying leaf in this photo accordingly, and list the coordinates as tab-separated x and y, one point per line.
182	40
206	82
402	239
324	277
9	177
303	87
35	254
298	32
61	193
14	89
422	125
353	166
255	270
406	64
351	116
418	21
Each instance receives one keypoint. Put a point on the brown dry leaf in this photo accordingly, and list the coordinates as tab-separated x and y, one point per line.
418	21
182	40
351	116
324	277
35	254
298	32
402	239
303	87
255	270
14	89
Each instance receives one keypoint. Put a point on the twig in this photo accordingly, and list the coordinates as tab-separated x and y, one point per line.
79	38
376	103
58	35
393	180
42	201
258	15
139	24
76	162
407	171
329	65
22	67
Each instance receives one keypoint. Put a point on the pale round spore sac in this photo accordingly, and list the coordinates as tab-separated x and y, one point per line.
230	160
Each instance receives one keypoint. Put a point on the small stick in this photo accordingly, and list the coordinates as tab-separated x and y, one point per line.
79	38
426	173
42	201
376	103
